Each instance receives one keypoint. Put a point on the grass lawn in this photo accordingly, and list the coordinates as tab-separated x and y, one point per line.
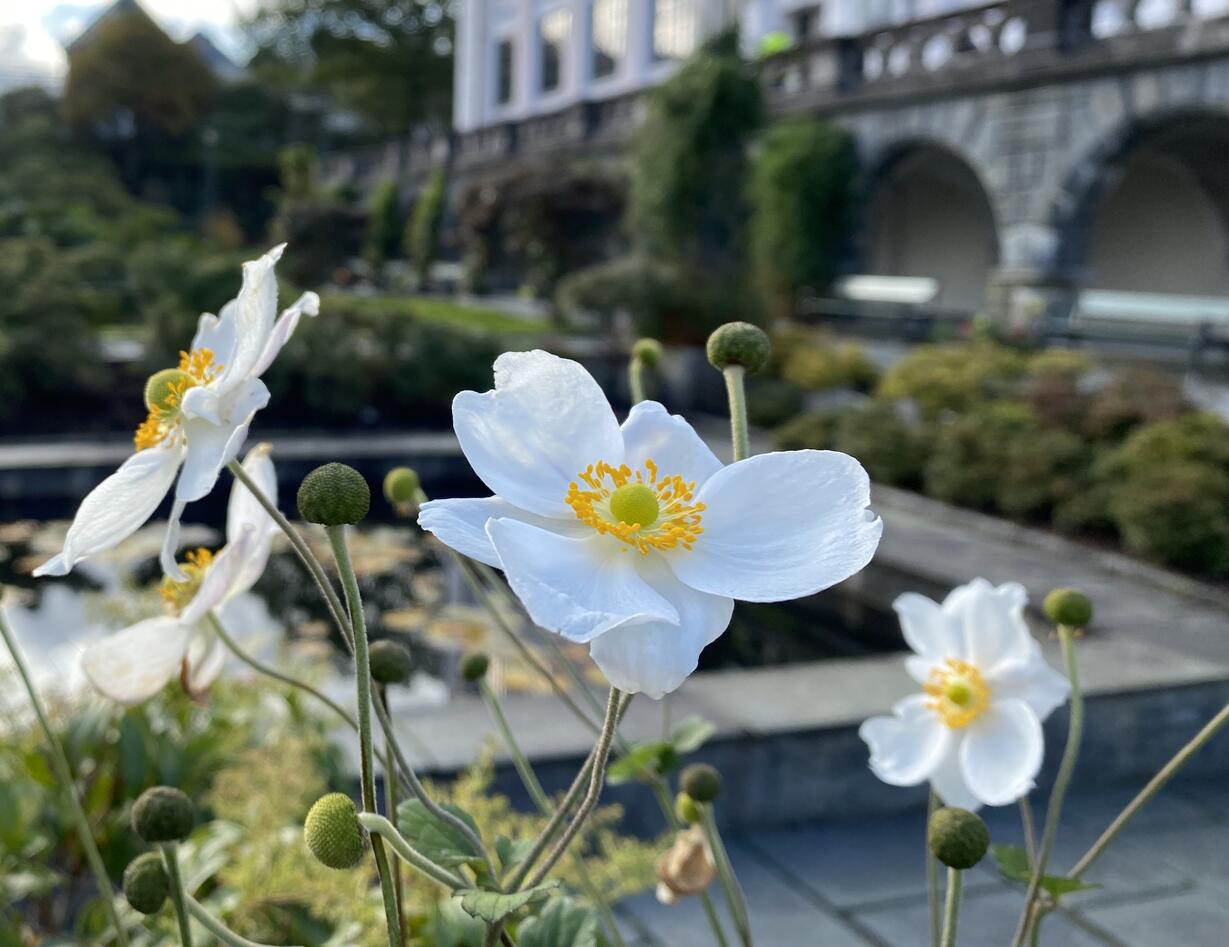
445	312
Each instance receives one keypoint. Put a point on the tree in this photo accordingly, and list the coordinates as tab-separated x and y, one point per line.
388	60
422	234
801	196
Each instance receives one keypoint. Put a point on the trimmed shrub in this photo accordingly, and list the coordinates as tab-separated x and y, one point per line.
891	450
384	225
1177	512
818	364
771	402
1135	396
1044	468
971	453
422	233
814	430
953	377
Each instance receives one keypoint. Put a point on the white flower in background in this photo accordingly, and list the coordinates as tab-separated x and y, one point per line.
199	415
635	538
975	730
136	663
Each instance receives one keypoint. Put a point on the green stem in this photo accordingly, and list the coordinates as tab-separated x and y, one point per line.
734	897
390	799
64	776
1029	829
379	826
932	875
635	380
179	897
951	913
260	668
302	550
358	625
216	927
735	390
1155	785
1066	768
529	779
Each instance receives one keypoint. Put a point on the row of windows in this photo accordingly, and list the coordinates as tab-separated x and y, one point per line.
678	27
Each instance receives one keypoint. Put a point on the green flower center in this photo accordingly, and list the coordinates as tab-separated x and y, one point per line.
634	504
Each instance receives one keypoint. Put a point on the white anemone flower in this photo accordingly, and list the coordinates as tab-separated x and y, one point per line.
975	730
635	539
199	414
136	663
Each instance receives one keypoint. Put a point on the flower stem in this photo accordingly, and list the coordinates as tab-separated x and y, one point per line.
64	775
725	871
310	562
216	927
390	803
932	875
1029	829
358	625
597	779
951	912
179	897
1066	768
260	668
735	389
379	826
1155	785
635	379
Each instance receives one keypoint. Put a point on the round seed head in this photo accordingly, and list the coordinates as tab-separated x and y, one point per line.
1068	607
333	833
474	666
701	781
334	495
648	352
957	837
402	486
739	343
390	662
145	883
163	814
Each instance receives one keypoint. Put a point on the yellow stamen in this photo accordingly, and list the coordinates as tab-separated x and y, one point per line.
177	595
958	693
164	396
614	501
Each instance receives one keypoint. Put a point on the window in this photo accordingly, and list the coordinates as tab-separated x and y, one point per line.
676	28
505	69
553	30
609	36
806	24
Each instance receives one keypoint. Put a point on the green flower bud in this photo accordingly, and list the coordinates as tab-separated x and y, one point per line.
739	343
390	662
957	837
648	352
1068	607
402	487
686	809
701	781
334	495
145	883
474	666
333	833
163	814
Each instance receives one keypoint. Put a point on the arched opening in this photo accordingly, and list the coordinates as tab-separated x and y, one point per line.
1158	219
928	215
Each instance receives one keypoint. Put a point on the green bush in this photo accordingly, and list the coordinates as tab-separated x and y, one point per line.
1177	512
953	377
1045	468
891	450
771	402
1133	397
423	230
817	364
384	224
814	430
325	235
970	453
1196	437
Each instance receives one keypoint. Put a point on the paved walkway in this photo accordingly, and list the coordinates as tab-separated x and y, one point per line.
1165	882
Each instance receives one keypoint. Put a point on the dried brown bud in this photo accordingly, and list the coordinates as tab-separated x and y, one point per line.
687	868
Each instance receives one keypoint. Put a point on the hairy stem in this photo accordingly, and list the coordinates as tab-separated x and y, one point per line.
736	392
725	871
951	912
932	874
635	380
64	776
216	927
390	803
379	826
179	897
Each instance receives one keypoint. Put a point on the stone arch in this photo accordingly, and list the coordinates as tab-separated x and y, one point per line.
927	212
1147	209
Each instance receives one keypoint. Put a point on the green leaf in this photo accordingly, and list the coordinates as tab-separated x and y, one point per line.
512	853
562	923
493	907
439	841
451	927
1014	866
691	734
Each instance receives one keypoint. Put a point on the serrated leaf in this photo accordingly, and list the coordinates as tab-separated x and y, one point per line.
562	923
493	906
691	734
1013	865
439	841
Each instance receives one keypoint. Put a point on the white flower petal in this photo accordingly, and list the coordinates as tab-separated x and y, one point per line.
1001	753
545	421
134	664
579	588
927	629
243	509
117	507
170	544
217	333
993	622
907	746
780	526
210	447
306	305
947	781
650	432
255	310
205	660
219	583
1032	681
654	658
461	524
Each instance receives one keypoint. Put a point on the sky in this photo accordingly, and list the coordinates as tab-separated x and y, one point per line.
31	31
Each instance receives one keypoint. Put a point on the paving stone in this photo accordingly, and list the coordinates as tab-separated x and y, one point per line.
1197	918
780	915
987	919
